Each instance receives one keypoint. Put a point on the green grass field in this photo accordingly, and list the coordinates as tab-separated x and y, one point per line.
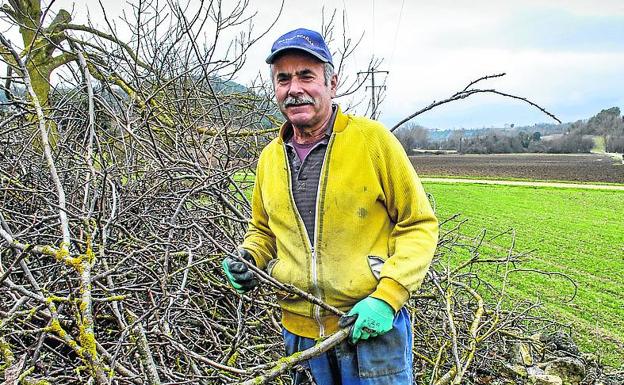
576	232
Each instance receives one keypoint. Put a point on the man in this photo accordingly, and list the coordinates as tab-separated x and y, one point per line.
338	211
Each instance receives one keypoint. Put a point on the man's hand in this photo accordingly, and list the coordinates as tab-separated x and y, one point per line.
374	318
239	275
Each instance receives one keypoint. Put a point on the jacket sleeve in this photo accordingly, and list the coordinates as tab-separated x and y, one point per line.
259	239
414	238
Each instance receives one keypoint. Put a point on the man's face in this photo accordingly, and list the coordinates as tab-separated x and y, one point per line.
300	89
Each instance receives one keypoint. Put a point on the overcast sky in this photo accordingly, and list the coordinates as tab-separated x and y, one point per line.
567	56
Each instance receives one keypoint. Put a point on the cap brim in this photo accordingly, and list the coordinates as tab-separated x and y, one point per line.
271	58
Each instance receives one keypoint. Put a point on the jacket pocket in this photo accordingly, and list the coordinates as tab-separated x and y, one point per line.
387	354
375	264
271	271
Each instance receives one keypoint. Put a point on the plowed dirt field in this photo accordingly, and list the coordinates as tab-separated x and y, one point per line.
551	167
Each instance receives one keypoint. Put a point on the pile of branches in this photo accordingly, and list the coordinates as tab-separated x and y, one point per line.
127	288
124	190
110	262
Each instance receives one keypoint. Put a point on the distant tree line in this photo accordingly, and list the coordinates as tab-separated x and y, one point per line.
577	137
608	124
413	136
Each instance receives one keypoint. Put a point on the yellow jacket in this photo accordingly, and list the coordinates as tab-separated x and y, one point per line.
370	203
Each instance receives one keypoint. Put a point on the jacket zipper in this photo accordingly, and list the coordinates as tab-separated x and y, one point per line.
316	309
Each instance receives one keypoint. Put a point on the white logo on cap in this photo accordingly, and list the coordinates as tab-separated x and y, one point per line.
304	37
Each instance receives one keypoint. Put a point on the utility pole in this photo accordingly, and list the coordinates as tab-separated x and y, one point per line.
374	99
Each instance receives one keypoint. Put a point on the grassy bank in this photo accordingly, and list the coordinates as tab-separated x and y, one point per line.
575	232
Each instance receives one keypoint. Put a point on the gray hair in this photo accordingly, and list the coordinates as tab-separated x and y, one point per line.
328	72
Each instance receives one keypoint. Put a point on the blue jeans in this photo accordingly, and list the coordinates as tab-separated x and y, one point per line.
382	360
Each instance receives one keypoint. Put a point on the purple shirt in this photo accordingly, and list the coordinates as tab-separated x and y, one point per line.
303	150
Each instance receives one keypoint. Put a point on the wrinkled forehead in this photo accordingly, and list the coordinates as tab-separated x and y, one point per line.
296	61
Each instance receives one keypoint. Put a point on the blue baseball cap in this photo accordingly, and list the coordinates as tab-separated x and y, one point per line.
302	39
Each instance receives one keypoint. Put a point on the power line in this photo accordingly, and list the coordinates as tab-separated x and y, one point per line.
373	23
396	34
374	93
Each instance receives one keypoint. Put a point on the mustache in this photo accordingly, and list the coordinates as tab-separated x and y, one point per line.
297	101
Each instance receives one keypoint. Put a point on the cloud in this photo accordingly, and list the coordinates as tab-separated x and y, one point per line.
561	55
551	29
564	54
571	84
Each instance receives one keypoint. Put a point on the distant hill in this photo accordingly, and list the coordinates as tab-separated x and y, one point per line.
436	135
227	86
219	86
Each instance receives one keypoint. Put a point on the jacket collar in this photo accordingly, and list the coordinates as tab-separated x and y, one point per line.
340	123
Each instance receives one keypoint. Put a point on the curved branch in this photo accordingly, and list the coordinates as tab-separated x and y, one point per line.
466	92
111	38
45	143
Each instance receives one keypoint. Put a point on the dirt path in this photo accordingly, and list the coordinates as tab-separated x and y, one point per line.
523	183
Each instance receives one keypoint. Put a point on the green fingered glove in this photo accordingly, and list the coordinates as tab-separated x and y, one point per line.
239	275
374	318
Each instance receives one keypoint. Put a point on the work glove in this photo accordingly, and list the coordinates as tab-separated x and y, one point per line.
371	317
241	278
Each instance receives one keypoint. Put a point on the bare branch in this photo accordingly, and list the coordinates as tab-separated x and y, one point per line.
467	92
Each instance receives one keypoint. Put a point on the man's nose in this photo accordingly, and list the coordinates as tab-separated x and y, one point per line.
295	87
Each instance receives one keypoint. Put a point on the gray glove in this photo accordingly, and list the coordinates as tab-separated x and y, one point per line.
241	278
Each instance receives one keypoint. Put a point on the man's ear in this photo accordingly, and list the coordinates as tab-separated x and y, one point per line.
333	84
